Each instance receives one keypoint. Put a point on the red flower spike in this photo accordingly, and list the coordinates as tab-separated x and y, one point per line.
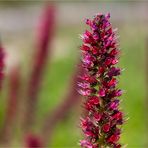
99	57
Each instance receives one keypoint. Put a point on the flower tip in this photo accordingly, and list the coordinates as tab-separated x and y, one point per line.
107	15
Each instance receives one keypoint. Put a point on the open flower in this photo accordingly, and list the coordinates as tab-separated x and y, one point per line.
100	54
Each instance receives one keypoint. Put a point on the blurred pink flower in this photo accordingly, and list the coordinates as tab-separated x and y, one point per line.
44	38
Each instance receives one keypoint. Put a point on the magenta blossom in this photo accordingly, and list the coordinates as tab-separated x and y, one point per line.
100	54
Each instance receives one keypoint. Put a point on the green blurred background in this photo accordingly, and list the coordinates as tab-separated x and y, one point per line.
17	27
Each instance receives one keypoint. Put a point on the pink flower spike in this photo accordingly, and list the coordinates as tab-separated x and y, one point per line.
100	54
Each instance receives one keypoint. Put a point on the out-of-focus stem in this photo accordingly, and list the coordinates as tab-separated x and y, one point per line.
44	38
12	106
63	109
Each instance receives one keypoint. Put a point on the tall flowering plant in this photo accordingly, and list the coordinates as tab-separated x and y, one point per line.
100	54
